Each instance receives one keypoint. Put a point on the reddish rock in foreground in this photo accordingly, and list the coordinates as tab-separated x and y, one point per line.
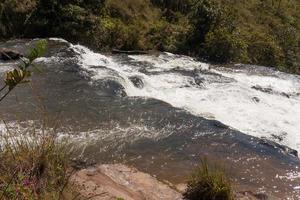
108	182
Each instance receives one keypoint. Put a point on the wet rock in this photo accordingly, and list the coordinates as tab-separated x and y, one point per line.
292	152
137	82
256	99
219	124
199	81
265	90
282	148
285	94
279	137
9	54
111	88
98	67
270	91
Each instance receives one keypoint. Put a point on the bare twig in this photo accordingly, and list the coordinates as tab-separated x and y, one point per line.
5	95
3	88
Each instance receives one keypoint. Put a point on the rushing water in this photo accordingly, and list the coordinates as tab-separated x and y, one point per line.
162	112
255	100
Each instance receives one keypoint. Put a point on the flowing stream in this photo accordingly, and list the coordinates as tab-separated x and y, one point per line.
252	99
161	112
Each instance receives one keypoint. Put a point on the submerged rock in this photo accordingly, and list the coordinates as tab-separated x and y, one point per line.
282	148
9	54
137	82
265	90
256	99
111	88
270	91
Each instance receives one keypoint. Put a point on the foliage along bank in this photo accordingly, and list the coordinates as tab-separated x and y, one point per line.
223	31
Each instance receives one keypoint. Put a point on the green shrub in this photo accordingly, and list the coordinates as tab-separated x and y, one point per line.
223	46
174	5
204	16
208	184
256	32
264	50
289	40
70	19
165	36
212	22
113	33
14	15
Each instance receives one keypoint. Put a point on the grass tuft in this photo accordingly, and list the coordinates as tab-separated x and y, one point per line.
208	184
33	165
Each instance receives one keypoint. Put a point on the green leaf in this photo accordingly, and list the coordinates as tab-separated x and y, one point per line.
38	51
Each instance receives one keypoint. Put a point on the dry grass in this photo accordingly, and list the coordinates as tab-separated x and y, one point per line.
207	183
34	165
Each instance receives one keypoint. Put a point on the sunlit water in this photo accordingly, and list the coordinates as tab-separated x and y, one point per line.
162	112
255	100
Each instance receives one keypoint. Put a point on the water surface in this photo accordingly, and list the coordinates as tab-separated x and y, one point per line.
163	112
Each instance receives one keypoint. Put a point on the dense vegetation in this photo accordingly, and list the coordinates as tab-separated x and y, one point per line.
249	31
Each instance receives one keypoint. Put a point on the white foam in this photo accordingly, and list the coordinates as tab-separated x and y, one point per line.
106	138
4	67
52	59
88	60
169	61
234	103
59	40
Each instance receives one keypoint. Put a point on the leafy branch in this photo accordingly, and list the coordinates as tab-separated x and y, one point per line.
22	73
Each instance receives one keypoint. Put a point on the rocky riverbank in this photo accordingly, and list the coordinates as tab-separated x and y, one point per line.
117	181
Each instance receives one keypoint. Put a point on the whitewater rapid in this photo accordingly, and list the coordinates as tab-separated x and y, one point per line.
112	108
255	100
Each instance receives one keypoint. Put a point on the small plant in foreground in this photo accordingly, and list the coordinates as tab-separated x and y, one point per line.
33	166
208	184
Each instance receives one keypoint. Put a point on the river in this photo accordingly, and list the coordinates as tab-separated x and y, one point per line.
163	112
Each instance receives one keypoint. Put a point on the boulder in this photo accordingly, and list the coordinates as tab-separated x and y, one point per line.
9	54
117	181
137	82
